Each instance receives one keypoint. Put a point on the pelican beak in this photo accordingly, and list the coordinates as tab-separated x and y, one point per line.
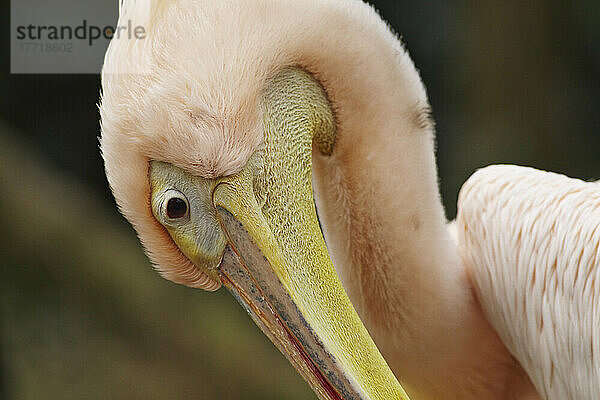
258	233
290	289
276	263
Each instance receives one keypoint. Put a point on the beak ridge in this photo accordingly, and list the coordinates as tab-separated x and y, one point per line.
246	273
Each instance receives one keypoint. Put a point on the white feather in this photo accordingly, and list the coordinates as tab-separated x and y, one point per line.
531	242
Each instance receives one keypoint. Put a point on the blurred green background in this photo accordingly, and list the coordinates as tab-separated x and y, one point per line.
83	316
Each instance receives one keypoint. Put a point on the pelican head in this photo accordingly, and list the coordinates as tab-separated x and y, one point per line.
211	129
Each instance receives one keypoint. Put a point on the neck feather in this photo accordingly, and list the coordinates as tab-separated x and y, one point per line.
386	232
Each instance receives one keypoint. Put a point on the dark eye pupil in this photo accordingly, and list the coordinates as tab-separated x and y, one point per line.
176	208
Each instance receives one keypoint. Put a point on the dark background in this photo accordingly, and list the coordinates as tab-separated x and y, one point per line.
83	316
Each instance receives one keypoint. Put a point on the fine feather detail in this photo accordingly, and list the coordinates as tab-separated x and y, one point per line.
531	242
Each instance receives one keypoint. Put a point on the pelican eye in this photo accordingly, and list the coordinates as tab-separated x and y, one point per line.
177	205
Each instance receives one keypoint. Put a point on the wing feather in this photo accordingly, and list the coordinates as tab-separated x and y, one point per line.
531	242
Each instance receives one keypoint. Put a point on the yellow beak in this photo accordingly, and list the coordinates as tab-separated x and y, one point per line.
276	263
258	233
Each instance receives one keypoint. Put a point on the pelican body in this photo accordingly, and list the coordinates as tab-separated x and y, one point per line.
285	150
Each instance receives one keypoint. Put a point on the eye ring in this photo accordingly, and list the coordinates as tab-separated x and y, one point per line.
175	206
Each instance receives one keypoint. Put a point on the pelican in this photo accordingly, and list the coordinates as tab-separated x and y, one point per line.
256	144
